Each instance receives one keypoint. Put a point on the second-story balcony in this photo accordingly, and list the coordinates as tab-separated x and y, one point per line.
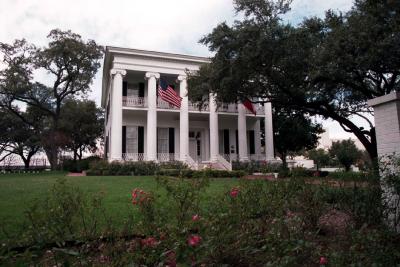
196	106
165	105
141	102
134	101
228	108
259	108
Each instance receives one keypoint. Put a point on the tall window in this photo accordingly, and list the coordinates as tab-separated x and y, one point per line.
163	141
131	139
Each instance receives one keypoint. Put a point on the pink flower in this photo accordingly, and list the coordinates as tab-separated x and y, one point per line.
194	240
323	261
195	218
234	192
149	242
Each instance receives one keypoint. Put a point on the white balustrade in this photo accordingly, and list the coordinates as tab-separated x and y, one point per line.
192	164
165	157
134	101
227	165
195	106
134	156
258	108
165	105
228	108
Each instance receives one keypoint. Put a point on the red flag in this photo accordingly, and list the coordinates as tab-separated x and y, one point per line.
247	103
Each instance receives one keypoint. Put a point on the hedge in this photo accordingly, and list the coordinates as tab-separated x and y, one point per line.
104	168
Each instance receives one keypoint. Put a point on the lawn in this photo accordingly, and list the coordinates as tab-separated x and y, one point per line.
19	191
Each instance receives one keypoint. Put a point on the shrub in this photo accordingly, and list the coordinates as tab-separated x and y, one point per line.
353	176
210	173
256	166
65	214
125	168
80	165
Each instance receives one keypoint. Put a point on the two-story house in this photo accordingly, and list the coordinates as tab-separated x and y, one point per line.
140	126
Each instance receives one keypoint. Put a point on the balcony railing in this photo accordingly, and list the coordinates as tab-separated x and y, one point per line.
134	156
195	106
258	108
141	102
235	157
134	101
165	105
228	108
165	157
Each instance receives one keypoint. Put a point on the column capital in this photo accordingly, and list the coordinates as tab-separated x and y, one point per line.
118	71
149	75
182	78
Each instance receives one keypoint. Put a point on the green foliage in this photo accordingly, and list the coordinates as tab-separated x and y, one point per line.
82	124
103	167
71	165
256	223
286	123
65	214
345	152
319	156
198	174
71	64
175	169
354	176
256	166
328	67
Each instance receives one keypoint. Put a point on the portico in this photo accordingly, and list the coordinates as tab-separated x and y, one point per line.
141	126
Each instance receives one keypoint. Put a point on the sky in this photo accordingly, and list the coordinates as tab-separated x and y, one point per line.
167	26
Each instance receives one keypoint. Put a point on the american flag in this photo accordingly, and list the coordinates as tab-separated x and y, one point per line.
167	93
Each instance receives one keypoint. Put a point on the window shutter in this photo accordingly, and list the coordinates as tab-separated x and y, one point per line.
124	88
237	141
140	139
141	89
123	139
252	142
226	141
171	138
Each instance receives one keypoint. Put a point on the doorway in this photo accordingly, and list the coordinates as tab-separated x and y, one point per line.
195	145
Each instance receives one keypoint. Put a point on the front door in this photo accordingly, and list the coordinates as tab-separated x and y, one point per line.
195	145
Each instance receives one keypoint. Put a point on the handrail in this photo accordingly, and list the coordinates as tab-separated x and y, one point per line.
194	165
134	101
224	162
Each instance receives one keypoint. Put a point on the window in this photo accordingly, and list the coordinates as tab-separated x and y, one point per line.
163	142
131	139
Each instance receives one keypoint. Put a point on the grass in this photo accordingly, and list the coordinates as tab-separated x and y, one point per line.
19	191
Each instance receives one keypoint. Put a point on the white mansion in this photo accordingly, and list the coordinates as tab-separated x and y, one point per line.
140	125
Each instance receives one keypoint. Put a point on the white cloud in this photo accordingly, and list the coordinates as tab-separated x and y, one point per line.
171	26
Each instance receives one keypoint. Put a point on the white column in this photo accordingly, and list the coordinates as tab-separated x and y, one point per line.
257	137
116	114
242	133
214	146
184	119
269	133
152	115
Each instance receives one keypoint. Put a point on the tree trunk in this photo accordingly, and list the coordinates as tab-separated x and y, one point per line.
284	162
26	162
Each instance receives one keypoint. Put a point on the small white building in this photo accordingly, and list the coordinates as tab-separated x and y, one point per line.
139	126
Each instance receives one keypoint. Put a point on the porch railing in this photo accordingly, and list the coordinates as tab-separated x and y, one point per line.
227	165
192	164
134	101
165	157
195	106
228	107
165	105
134	156
258	108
